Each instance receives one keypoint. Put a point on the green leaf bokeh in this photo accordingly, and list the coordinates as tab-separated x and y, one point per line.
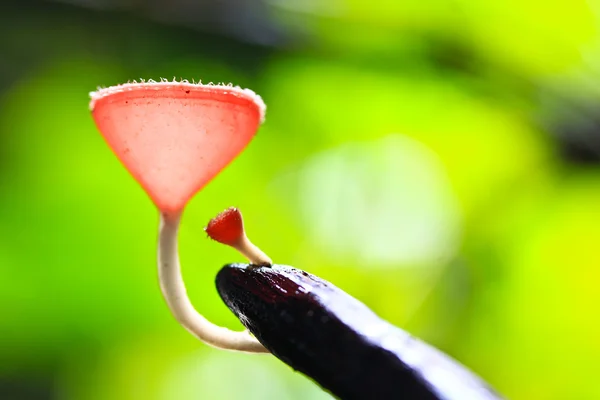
407	156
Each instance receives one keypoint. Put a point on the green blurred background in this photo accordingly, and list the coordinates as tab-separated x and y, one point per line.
439	160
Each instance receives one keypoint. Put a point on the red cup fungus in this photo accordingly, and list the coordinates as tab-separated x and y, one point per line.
174	137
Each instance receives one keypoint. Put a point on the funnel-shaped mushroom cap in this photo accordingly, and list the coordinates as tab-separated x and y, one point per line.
174	137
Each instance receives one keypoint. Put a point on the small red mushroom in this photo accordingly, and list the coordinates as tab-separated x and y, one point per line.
174	137
228	228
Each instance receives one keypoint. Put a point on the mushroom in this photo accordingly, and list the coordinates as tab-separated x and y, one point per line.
228	228
173	138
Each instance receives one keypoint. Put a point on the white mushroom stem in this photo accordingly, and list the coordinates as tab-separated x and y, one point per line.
174	292
249	250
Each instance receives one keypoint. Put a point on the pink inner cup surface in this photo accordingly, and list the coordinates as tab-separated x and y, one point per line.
175	138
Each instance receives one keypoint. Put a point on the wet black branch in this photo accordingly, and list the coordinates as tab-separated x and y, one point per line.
328	335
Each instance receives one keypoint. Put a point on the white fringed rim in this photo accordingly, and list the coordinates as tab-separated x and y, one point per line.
164	83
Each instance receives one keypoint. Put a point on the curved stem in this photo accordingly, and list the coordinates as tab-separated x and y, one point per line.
174	292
